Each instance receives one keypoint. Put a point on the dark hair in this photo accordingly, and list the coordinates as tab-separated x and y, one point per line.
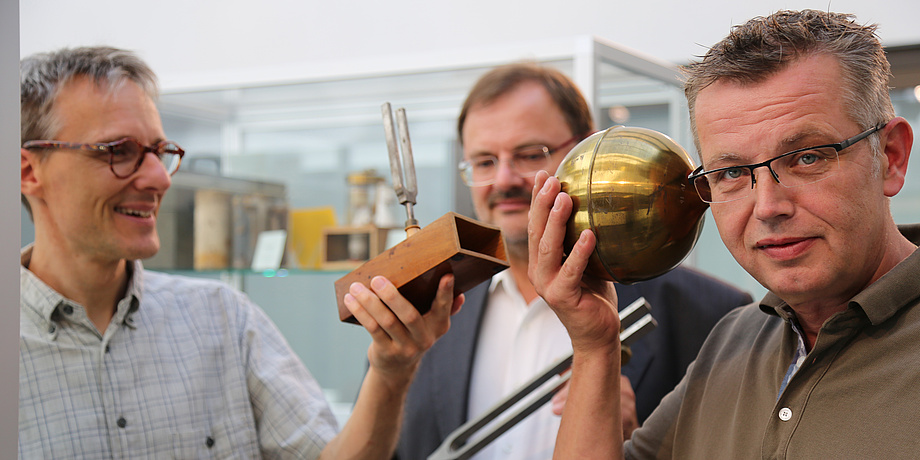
502	80
764	46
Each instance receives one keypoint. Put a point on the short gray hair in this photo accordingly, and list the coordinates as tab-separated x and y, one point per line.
43	75
764	46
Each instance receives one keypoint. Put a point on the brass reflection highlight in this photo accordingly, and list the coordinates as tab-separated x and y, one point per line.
629	185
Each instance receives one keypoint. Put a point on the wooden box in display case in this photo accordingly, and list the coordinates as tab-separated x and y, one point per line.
345	248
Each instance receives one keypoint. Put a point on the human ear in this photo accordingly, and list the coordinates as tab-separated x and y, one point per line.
897	139
30	183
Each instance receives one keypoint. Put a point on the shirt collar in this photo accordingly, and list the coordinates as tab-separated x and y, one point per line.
45	301
773	305
883	298
133	295
503	280
33	292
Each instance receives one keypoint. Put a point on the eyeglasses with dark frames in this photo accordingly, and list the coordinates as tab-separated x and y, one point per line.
791	169
124	156
525	162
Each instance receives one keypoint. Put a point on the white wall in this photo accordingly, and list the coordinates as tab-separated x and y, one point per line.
9	206
201	41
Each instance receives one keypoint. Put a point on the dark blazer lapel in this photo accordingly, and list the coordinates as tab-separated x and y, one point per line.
454	360
639	362
642	352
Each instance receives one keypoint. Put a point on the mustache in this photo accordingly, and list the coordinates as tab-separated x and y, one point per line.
509	194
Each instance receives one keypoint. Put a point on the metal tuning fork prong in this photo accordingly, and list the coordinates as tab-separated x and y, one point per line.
402	168
452	244
635	322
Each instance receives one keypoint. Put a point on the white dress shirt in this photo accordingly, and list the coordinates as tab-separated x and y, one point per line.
517	341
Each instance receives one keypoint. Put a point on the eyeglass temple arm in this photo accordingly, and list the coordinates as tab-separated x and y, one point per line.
405	191
636	321
862	136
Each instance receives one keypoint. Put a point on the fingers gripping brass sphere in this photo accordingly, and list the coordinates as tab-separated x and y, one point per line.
629	186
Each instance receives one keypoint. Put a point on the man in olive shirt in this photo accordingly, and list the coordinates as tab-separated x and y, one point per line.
801	152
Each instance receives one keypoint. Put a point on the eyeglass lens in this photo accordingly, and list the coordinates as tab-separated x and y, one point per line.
127	156
791	170
525	162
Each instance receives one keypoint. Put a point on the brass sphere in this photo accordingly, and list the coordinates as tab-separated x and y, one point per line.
629	186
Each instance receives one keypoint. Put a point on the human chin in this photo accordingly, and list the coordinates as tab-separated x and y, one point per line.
791	279
144	249
512	225
138	245
484	214
798	285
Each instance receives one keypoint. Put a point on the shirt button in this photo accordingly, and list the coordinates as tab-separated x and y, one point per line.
785	414
51	329
209	442
122	422
68	309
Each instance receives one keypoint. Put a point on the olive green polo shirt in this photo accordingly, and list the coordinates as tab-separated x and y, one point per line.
856	395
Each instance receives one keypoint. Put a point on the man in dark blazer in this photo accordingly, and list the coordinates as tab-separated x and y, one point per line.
516	120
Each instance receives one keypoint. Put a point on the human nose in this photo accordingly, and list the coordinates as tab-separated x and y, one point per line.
506	174
152	173
771	198
766	166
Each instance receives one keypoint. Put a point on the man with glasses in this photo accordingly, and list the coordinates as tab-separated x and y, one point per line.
517	120
801	153
118	362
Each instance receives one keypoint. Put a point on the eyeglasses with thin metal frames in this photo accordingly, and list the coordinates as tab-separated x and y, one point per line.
466	168
121	153
701	183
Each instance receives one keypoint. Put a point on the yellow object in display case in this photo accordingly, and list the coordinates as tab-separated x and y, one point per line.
305	236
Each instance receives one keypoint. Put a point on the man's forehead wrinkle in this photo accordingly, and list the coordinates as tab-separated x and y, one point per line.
799	136
728	122
726	156
725	126
791	140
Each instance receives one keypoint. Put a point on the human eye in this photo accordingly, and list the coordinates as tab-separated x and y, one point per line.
807	163
807	158
528	162
812	157
483	162
125	150
535	154
727	181
729	175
